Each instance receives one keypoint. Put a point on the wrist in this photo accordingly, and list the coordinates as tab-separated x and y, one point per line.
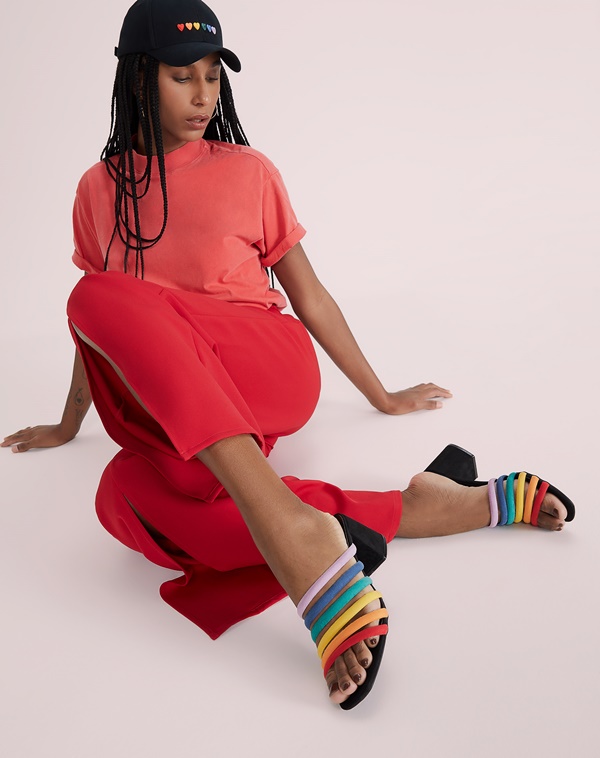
68	429
381	401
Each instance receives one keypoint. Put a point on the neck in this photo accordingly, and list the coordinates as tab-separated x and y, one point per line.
140	146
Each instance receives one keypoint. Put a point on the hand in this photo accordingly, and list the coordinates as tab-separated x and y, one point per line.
418	398
50	435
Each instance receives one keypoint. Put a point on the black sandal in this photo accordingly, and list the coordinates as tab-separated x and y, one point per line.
506	507
370	549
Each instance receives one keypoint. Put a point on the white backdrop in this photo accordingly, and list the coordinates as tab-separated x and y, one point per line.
444	159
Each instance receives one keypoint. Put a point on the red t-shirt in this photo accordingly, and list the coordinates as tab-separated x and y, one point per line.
229	217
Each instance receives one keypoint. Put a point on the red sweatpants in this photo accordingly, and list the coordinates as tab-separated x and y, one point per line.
205	369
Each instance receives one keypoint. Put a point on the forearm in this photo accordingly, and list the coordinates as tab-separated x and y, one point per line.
325	321
320	314
78	401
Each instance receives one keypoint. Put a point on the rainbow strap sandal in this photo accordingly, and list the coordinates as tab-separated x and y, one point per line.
341	598
510	507
506	505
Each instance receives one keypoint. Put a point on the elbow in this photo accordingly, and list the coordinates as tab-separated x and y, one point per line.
307	308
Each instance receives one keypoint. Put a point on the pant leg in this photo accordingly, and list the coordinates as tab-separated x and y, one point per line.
225	578
205	369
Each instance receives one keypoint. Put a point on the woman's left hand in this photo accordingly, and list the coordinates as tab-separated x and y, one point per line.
418	398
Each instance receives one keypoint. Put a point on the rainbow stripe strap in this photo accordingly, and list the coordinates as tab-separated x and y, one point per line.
541	494
510	498
502	509
345	617
529	499
328	596
510	509
340	603
341	633
493	502
520	502
326	576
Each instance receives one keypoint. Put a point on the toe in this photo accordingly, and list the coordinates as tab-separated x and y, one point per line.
339	681
551	523
553	507
345	682
356	671
332	683
552	514
363	654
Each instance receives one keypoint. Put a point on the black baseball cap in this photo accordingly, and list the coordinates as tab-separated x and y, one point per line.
176	32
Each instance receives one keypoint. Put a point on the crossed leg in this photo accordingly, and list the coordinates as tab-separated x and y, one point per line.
298	541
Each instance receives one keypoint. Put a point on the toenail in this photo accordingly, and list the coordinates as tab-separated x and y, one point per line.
334	688
373	641
364	663
345	686
357	678
555	511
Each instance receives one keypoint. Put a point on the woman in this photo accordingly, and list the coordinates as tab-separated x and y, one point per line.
196	372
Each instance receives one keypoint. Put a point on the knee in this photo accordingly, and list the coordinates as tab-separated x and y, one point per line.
89	293
111	295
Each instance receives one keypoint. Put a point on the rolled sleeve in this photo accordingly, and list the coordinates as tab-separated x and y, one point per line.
281	230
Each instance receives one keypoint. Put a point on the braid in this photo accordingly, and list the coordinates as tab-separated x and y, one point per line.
225	126
127	113
135	103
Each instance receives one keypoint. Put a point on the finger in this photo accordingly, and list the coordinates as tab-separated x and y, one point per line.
21	447
431	386
19	439
433	390
15	436
432	405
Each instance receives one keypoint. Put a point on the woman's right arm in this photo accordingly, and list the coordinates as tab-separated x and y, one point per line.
52	435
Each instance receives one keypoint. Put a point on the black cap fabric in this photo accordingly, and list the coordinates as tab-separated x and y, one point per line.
176	32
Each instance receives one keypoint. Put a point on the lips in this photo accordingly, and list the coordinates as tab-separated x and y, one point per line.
198	120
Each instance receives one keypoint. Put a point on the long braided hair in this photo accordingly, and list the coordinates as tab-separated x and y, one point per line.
135	102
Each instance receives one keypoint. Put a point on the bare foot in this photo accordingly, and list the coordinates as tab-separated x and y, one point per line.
435	506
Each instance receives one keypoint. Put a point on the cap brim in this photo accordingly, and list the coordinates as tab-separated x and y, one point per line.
188	52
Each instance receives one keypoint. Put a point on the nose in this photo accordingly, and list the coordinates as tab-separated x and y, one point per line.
201	94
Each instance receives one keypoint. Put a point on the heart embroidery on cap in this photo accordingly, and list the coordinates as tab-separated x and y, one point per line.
196	25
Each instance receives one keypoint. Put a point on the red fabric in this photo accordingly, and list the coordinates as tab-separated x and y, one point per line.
205	369
229	216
